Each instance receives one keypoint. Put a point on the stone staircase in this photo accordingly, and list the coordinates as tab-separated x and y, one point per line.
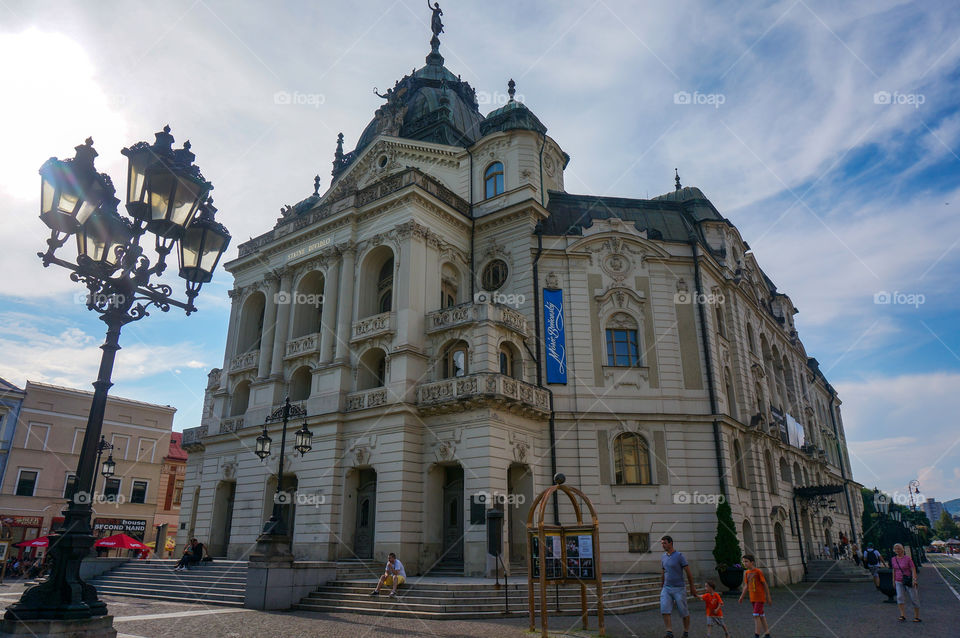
222	582
465	598
836	571
447	568
359	568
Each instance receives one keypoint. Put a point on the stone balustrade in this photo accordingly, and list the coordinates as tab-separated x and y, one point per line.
193	436
231	424
467	313
302	346
245	361
384	323
467	391
366	399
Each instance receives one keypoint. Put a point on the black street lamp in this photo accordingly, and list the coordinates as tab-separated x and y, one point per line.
165	193
276	525
107	469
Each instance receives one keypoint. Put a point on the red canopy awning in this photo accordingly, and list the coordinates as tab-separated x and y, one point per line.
120	541
36	542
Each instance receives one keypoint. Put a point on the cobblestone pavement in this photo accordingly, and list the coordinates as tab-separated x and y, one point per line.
804	610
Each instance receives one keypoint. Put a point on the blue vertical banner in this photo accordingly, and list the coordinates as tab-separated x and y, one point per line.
555	339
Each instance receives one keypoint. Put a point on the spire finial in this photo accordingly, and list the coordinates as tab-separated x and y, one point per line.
511	88
676	174
338	156
316	185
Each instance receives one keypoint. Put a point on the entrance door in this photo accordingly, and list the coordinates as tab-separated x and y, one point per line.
365	527
453	514
222	520
520	492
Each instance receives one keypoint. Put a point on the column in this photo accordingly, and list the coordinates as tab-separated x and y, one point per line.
331	281
236	295
269	326
345	304
283	324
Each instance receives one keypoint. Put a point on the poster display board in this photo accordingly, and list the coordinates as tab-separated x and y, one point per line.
569	554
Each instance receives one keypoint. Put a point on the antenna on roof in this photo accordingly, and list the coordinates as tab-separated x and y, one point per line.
676	174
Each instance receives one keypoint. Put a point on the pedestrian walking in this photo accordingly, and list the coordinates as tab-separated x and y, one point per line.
714	604
905	577
672	592
873	561
855	552
756	585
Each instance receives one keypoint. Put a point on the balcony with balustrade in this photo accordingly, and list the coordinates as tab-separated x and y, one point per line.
246	361
302	346
470	313
483	389
384	323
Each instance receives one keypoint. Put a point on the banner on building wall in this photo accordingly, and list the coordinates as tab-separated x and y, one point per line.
554	337
795	431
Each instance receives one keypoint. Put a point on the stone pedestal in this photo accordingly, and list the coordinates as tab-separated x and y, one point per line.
275	581
100	627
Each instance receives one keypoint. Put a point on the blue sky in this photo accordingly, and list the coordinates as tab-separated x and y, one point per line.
828	133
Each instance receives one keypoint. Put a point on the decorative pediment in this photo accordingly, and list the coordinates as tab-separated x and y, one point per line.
228	468
779	513
618	297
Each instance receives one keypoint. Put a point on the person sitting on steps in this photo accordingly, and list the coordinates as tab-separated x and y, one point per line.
394	575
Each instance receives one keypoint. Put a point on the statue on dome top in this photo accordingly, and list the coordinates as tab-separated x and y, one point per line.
435	24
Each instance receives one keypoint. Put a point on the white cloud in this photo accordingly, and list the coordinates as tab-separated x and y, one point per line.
902	428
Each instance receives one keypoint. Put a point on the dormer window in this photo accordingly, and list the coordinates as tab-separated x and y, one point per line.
493	180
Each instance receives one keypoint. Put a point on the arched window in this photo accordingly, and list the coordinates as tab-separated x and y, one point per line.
300	384
771	473
493	180
240	399
797	477
251	323
738	473
455	360
784	470
623	342
510	361
721	324
751	342
748	544
448	286
780	541
631	459
385	287
372	370
731	398
307	305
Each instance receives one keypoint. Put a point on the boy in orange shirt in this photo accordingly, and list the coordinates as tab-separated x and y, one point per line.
714	608
756	585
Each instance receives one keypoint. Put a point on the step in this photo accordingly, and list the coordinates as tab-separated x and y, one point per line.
219	583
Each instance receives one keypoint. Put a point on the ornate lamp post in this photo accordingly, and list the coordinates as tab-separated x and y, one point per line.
167	196
276	526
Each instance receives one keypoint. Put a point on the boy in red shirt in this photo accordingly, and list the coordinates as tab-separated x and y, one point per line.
756	585
714	608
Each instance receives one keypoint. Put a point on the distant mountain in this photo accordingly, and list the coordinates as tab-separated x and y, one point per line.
952	506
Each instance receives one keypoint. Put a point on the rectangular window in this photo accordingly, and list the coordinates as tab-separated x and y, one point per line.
622	348
139	492
77	440
147	450
120	445
70	486
26	482
638	542
177	492
111	489
37	436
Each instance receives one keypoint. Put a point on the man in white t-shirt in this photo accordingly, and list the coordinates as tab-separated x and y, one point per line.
394	575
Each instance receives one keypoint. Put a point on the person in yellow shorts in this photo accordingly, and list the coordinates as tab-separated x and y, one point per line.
393	576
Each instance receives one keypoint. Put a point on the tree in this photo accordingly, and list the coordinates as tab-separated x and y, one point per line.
945	527
726	548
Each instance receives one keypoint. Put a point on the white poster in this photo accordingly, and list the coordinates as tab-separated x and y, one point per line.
586	546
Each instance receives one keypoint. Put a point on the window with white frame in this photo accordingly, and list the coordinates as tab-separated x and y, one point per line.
120	445
37	434
631	459
111	489
138	493
77	440
69	486
26	482
147	449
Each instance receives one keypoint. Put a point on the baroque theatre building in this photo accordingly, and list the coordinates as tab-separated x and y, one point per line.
459	328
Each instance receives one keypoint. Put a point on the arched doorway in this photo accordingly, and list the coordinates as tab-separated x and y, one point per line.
519	499
453	513
365	520
222	519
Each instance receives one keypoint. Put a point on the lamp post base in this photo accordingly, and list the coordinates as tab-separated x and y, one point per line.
272	548
100	627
